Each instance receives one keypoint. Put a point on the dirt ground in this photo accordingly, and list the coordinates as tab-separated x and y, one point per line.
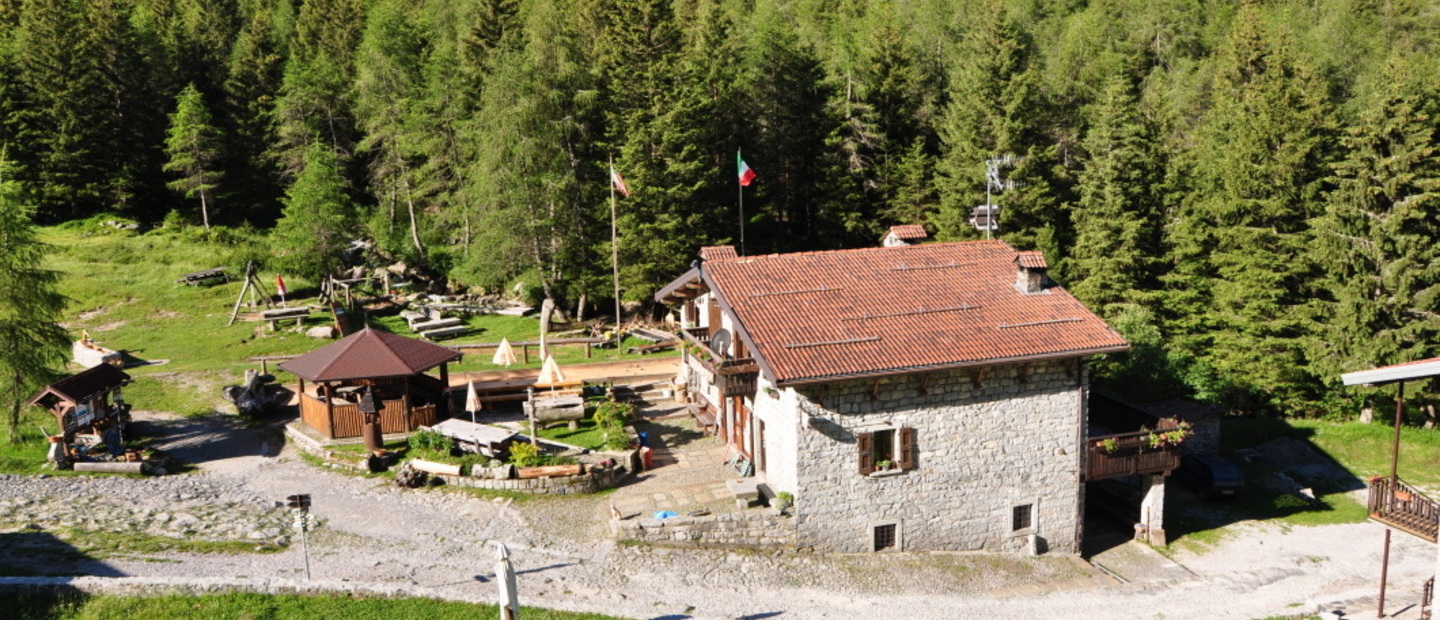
377	537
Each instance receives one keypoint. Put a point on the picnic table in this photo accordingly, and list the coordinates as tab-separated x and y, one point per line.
482	438
274	317
207	276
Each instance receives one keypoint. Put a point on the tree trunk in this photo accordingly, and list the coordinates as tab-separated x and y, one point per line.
414	225
204	210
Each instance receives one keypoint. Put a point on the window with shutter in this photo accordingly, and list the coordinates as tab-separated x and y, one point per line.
863	443
906	439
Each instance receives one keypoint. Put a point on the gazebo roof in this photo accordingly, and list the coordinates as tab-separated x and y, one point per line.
369	354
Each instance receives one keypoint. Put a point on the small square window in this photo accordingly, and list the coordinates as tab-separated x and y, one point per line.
885	537
1022	518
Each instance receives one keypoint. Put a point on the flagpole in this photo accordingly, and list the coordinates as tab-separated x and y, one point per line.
614	254
739	157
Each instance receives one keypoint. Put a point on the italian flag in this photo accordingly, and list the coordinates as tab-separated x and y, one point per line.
746	174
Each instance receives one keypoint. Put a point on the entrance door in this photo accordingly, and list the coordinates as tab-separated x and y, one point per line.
740	431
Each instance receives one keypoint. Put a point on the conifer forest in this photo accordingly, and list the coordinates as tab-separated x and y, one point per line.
1249	191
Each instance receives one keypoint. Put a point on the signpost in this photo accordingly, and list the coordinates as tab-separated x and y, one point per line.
303	522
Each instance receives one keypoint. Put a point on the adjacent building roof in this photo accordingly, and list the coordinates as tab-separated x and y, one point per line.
821	316
369	354
908	232
717	252
1418	369
84	384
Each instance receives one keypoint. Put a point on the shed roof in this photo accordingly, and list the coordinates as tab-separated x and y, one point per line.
84	384
369	354
820	316
1417	369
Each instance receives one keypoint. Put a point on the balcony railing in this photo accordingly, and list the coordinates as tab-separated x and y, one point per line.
734	377
1403	507
1129	454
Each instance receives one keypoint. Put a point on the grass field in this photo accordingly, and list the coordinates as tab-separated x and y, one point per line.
123	291
38	606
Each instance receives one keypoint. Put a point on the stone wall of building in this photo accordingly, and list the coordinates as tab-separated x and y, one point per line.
761	528
986	443
782	428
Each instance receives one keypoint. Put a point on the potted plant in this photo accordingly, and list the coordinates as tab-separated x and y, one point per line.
884	465
783	501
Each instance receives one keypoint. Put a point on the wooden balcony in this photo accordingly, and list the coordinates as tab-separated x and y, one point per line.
1128	454
1403	507
734	377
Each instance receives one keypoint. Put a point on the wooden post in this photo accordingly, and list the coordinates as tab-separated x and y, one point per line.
587	349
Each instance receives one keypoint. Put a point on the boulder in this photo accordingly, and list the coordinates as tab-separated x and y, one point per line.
324	332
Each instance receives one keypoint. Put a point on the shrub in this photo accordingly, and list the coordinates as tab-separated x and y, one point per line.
430	441
613	414
524	454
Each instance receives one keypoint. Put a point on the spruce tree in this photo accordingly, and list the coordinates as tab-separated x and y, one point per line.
250	91
1375	242
319	217
1241	284
1117	219
194	150
32	343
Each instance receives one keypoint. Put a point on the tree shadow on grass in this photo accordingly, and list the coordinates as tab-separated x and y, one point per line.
36	553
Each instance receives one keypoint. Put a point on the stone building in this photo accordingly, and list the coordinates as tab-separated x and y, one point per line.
915	397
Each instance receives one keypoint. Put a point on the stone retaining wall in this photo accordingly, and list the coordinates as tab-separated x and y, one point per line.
755	528
590	482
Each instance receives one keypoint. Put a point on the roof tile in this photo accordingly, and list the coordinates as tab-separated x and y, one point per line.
817	315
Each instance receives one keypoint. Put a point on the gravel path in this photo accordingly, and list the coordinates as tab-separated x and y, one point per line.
374	537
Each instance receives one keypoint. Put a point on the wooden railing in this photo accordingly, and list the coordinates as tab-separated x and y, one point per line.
1403	507
734	377
345	420
1129	454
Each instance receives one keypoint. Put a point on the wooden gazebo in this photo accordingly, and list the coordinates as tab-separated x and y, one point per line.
390	366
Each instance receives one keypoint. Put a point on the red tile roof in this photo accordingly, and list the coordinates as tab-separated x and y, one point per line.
907	232
369	354
717	252
819	316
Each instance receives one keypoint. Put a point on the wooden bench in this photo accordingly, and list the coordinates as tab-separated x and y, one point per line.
651	348
208	276
445	332
412	317
652	335
434	324
705	417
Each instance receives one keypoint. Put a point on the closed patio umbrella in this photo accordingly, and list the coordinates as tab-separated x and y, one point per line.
504	354
505	580
472	401
550	373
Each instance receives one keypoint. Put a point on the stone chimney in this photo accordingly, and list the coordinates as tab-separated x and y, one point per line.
905	234
1030	272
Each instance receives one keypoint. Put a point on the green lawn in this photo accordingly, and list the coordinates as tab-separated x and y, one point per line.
123	291
36	606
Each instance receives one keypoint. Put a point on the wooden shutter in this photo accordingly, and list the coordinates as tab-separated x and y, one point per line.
906	438
867	457
714	317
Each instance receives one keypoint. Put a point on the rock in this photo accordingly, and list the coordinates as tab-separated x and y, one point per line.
323	332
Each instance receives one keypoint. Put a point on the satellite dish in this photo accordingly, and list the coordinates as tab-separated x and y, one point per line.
720	342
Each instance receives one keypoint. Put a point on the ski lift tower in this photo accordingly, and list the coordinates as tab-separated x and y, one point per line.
986	217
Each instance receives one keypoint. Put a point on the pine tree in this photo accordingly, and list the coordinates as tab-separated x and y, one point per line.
314	98
319	217
1240	284
388	79
1375	242
193	147
32	343
1117	220
250	91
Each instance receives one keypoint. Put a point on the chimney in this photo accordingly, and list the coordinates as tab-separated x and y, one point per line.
1030	272
905	234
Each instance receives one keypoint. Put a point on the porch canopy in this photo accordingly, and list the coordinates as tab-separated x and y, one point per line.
1419	369
391	365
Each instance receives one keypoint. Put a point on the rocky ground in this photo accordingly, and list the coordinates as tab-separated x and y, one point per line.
375	537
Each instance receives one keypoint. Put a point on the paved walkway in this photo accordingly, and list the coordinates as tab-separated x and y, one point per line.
688	469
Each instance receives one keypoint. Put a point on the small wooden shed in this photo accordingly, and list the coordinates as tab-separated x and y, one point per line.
90	398
390	365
